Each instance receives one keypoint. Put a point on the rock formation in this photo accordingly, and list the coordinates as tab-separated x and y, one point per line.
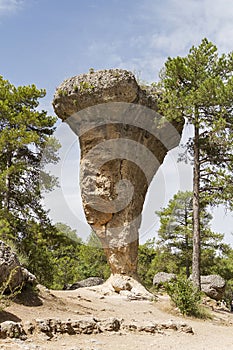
163	277
214	286
12	274
123	142
52	328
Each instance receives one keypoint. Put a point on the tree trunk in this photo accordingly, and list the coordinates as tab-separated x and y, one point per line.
196	212
8	182
187	262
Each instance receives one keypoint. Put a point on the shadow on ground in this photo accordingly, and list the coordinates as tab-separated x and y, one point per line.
8	316
28	297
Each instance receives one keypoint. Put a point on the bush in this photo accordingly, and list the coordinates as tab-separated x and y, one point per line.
185	296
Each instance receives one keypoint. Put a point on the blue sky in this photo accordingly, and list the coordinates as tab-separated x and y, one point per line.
46	41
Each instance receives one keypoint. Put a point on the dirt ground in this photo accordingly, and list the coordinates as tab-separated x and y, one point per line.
211	334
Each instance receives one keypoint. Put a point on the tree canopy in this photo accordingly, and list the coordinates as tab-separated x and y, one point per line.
199	87
176	232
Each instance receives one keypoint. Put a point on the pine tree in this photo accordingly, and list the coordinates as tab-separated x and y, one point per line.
199	87
26	145
176	232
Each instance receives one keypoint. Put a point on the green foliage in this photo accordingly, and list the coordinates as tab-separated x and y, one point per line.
146	255
24	135
62	93
7	294
199	88
92	259
70	260
53	253
26	146
165	261
176	235
185	296
228	294
84	85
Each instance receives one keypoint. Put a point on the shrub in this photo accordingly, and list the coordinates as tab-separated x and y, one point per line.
185	296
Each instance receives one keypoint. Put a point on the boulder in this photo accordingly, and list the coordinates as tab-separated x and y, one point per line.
162	277
123	142
11	271
213	286
88	282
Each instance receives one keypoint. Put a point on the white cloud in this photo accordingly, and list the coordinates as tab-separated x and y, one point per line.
159	29
174	26
9	6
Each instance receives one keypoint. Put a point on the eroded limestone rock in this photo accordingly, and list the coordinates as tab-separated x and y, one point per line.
123	143
11	272
89	325
213	286
163	277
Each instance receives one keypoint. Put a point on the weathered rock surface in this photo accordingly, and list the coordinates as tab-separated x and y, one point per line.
10	329
88	282
213	286
89	325
163	277
129	287
11	271
122	143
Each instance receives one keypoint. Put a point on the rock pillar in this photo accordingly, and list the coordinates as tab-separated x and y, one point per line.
123	142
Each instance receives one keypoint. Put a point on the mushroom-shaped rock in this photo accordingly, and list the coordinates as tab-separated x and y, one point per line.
123	142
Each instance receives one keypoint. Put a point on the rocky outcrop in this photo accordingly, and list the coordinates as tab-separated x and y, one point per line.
213	286
89	325
11	272
123	142
163	277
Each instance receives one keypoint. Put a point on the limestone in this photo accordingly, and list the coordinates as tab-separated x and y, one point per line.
11	272
125	286
163	277
89	325
213	286
10	329
120	284
157	327
88	282
123	142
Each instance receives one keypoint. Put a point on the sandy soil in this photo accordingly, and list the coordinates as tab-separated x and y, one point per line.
212	334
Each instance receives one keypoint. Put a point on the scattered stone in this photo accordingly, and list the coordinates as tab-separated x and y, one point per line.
110	325
51	328
156	327
10	329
